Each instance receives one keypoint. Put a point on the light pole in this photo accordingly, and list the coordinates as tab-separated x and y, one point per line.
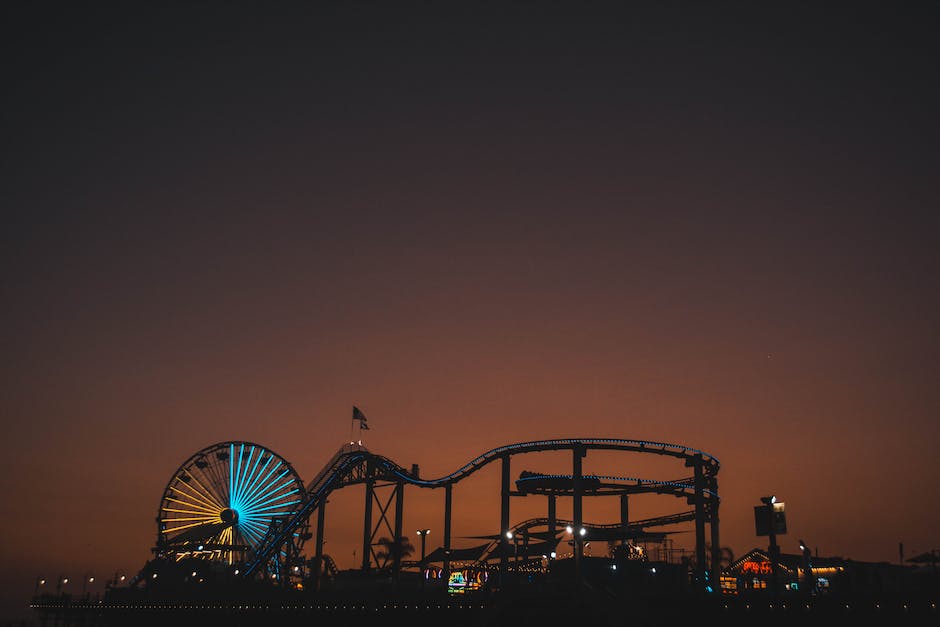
424	534
809	581
768	502
118	579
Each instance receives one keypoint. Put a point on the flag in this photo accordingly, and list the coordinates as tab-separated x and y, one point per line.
361	417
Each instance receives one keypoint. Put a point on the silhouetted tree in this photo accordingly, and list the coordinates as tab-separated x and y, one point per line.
388	550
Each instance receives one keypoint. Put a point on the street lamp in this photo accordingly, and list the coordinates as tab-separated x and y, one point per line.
809	581
769	520
118	578
424	534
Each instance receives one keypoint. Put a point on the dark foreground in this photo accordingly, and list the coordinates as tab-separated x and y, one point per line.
530	607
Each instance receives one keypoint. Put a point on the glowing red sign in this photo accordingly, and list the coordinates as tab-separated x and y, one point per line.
756	568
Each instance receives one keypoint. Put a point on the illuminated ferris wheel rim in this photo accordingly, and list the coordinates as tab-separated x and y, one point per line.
224	497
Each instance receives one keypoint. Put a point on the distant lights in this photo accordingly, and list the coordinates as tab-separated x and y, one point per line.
569	529
582	531
154	576
509	535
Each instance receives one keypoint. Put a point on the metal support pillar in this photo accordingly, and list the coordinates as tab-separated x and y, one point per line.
700	565
552	523
577	514
624	517
399	506
318	555
504	519
448	503
713	525
367	522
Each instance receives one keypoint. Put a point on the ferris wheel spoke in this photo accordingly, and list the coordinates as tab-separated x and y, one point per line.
270	507
207	493
253	481
275	493
196	494
181	511
214	473
181	527
249	476
237	496
274	499
254	536
191	497
254	525
190	503
211	519
267	489
235	471
260	486
197	510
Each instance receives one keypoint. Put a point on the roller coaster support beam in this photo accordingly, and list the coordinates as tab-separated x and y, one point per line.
448	501
552	522
624	517
700	566
399	505
578	453
319	566
504	519
367	520
716	544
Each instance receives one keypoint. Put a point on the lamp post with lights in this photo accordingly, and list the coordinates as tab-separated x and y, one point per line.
118	579
424	535
809	581
767	524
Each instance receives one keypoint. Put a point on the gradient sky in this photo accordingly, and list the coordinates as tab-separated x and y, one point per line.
708	223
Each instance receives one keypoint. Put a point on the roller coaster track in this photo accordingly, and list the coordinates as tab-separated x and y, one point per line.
530	482
356	464
636	526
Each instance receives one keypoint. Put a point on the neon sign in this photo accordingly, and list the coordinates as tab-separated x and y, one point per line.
756	568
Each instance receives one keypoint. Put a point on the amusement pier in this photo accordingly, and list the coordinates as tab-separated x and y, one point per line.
240	540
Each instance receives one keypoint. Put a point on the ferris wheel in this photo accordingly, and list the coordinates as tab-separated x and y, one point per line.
222	501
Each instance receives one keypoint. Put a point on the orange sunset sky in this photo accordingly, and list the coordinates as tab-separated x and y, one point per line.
713	225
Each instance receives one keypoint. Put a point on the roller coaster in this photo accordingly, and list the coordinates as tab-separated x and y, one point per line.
240	504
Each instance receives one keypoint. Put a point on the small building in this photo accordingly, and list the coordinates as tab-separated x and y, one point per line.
753	572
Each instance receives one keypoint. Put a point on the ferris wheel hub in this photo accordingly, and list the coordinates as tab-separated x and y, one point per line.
229	516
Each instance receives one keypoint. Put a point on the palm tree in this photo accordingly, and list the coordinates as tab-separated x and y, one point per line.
389	551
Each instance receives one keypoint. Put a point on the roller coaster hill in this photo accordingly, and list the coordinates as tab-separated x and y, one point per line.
238	530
